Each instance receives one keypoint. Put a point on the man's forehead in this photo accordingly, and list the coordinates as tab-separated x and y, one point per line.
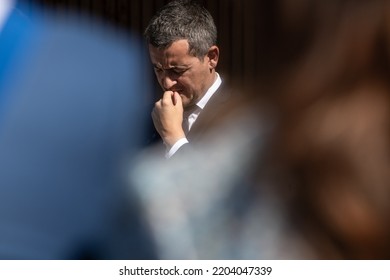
177	48
176	55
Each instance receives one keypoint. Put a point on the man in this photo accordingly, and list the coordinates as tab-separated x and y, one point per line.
182	41
72	102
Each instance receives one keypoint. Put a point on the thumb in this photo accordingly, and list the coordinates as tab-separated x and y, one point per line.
177	99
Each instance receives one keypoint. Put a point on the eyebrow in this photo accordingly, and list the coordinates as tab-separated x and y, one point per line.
157	65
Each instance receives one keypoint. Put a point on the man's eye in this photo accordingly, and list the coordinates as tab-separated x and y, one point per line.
179	71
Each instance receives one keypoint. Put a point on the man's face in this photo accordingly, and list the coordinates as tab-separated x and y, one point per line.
177	70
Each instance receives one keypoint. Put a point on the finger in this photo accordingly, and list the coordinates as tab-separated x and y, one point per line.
167	96
166	100
177	98
155	118
153	114
158	103
174	98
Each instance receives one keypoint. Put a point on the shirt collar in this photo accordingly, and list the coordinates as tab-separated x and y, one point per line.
203	101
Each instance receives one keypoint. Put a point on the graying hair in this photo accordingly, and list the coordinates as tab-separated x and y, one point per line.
183	19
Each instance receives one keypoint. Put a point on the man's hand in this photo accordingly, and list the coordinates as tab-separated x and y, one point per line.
167	117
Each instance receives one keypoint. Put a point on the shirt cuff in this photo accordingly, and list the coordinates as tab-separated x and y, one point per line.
169	153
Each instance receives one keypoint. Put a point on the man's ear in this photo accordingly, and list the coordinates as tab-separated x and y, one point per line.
213	56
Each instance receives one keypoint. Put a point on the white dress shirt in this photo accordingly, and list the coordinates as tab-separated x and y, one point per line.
190	117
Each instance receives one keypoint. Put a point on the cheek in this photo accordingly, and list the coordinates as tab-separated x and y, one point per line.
185	83
194	80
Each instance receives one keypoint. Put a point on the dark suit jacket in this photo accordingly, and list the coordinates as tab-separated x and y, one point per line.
72	114
208	119
211	113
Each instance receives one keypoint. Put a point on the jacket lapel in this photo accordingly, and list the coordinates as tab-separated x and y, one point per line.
210	113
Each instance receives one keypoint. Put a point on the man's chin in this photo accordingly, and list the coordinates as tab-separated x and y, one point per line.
187	102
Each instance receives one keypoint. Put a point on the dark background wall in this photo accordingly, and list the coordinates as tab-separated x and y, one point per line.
243	26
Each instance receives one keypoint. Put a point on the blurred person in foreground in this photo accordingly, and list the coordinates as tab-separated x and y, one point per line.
304	171
332	148
71	118
182	41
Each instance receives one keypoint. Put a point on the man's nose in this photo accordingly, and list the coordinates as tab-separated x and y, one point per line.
167	82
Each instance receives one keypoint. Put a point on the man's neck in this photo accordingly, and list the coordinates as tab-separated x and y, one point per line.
5	9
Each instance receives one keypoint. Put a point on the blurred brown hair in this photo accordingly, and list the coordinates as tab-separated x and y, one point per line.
330	154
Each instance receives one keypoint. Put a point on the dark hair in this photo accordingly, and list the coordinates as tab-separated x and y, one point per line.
183	19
